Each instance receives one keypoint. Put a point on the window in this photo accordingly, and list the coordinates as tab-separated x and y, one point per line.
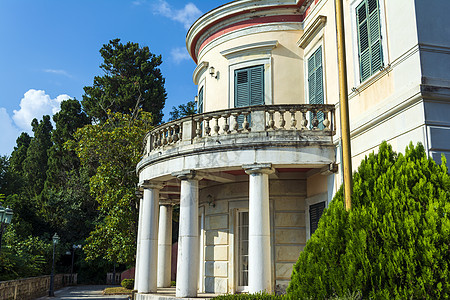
370	52
315	83
200	101
248	88
242	250
315	212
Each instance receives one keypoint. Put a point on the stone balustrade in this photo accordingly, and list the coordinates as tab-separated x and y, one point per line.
34	287
262	118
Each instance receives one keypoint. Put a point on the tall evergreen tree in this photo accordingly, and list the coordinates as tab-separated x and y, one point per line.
393	243
35	164
132	81
65	201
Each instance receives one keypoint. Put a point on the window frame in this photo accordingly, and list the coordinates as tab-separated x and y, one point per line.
383	36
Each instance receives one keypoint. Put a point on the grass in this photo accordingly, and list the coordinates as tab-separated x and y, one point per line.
117	291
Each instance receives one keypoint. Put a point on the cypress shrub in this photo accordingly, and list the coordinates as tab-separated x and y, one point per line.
395	241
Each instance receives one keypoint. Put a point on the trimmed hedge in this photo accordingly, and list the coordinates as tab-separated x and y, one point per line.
258	296
128	283
395	241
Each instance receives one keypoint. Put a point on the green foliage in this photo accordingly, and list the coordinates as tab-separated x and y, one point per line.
183	110
393	244
30	256
132	81
127	283
65	202
35	164
115	146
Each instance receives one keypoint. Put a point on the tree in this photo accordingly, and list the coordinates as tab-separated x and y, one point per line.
132	81
35	164
116	146
65	201
393	244
183	110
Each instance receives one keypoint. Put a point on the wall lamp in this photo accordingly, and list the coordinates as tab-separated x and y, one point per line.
213	72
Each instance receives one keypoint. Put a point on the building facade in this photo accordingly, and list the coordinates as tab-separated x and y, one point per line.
254	169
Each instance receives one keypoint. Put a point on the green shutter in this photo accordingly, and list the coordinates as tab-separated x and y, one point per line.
248	88
241	88
315	82
315	212
200	101
257	85
370	51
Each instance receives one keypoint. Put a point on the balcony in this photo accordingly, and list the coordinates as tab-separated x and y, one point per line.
265	129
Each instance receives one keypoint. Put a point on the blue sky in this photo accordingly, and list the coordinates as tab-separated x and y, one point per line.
49	51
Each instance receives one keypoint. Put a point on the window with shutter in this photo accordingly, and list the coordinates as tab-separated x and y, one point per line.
248	88
315	83
200	101
315	212
370	51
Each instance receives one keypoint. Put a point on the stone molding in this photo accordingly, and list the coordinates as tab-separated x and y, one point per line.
187	175
148	184
265	168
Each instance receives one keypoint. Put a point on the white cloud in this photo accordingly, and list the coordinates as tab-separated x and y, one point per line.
138	2
58	72
35	104
185	16
179	54
9	133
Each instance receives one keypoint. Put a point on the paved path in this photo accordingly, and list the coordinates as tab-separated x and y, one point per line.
83	292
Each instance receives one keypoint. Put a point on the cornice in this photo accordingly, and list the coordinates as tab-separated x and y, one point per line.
236	11
249	48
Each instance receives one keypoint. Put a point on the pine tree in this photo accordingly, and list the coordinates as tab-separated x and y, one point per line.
393	244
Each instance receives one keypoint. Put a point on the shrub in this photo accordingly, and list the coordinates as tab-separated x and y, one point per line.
128	283
395	241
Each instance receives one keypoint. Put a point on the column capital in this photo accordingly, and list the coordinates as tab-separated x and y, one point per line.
187	174
258	168
167	202
147	184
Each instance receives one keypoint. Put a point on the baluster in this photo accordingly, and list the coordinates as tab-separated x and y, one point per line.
326	121
282	120
271	124
246	124
235	122
154	140
207	127
180	131
315	120
164	136
293	120
226	126
174	133
304	121
216	126
169	134
198	131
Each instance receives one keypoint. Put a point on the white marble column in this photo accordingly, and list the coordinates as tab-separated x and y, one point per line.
188	240
138	243
164	245
148	256
259	260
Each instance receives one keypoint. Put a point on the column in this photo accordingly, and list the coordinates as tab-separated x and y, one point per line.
259	260
164	245
138	242
148	256
188	242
